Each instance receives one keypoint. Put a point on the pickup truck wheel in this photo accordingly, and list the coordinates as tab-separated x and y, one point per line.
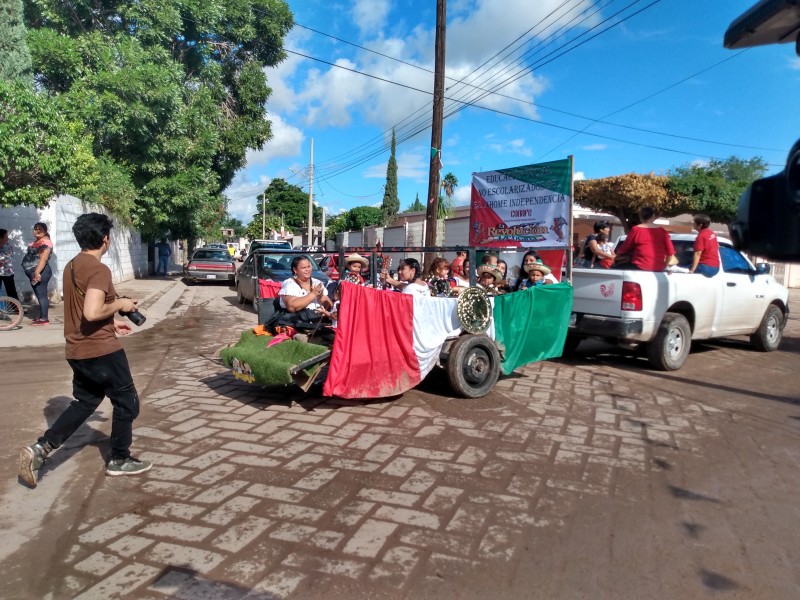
768	336
571	345
473	366
670	348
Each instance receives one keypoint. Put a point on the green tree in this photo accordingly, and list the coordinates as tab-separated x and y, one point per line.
286	200
624	195
15	60
41	153
172	93
391	203
416	206
362	216
714	189
449	185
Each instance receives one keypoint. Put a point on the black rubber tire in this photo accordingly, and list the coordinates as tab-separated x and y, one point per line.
768	336
473	366
571	345
670	348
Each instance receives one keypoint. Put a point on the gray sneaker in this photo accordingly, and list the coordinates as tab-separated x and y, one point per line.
31	459
127	466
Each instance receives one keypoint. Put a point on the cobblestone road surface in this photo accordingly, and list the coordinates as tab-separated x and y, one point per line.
261	493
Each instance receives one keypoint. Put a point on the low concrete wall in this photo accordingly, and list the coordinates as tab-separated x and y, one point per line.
127	256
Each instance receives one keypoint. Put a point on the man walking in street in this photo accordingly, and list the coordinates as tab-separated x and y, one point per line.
99	365
164	252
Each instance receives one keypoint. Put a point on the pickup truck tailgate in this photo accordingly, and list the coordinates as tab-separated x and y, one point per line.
597	291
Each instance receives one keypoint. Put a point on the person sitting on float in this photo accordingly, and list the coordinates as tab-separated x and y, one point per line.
355	264
303	300
408	278
439	278
528	259
537	274
488	279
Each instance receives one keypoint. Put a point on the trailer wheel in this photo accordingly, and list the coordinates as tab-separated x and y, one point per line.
473	366
768	336
670	348
571	345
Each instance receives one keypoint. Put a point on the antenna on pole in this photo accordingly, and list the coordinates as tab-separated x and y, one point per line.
311	197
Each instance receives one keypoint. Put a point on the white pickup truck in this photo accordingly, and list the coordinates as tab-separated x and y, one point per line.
665	311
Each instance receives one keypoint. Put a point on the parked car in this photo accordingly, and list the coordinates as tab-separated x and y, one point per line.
328	264
269	245
210	264
273	267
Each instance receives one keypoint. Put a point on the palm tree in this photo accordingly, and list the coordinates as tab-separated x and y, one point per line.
449	184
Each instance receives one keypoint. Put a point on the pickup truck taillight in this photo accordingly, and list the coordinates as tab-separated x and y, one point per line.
631	296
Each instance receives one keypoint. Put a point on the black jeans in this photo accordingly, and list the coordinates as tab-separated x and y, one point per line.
92	380
40	289
10	286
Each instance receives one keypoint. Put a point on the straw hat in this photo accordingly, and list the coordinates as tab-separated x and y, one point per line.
494	271
541	267
356	257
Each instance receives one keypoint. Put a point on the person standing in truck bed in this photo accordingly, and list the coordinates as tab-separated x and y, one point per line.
648	245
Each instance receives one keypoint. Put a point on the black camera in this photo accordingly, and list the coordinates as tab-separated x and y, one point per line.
135	316
768	220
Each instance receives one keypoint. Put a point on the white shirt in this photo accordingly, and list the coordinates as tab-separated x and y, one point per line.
417	289
290	287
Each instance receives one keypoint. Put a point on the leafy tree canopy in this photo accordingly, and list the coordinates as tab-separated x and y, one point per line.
416	206
287	200
15	60
172	93
41	152
391	202
714	189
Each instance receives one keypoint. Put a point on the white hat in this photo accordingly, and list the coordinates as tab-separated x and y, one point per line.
356	257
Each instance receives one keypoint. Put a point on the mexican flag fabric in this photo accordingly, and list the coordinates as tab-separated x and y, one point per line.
387	342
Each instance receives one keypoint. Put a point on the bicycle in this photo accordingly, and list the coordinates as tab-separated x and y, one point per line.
11	313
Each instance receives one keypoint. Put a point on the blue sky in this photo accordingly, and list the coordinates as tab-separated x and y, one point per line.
667	61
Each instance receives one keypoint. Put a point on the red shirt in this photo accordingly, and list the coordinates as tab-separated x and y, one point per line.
707	244
457	266
649	247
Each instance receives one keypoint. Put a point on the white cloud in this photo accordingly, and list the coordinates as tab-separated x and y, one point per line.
579	176
410	165
242	194
463	193
700	162
516	146
592	147
794	63
370	15
286	142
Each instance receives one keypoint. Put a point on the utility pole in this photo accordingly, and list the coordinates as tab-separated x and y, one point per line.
431	216
311	196
263	216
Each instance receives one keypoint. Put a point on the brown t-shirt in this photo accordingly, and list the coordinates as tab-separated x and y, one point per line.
87	339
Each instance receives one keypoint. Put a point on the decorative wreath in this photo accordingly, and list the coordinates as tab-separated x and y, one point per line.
474	310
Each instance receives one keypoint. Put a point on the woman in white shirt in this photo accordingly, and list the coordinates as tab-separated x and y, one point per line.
303	301
408	278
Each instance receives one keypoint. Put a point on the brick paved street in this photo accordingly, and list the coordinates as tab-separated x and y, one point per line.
260	493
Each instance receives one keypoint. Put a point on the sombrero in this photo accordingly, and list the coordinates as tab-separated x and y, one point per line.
541	267
356	257
494	271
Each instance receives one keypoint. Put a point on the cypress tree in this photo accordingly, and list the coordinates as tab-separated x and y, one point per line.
391	202
15	60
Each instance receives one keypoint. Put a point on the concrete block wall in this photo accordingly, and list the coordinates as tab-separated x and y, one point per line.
127	256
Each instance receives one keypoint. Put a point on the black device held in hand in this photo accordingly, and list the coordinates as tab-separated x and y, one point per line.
134	315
